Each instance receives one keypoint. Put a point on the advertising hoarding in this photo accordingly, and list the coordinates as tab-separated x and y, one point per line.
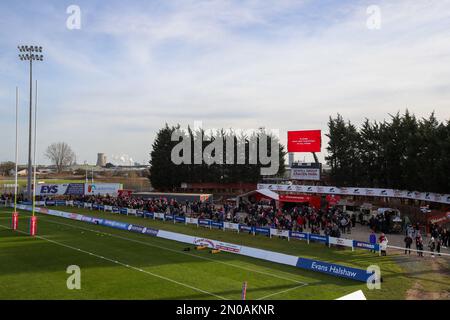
111	189
75	189
387	193
304	141
305	171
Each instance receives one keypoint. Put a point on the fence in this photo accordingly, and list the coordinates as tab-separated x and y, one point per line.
272	256
220	225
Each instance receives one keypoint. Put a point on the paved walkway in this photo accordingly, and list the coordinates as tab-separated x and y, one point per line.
362	233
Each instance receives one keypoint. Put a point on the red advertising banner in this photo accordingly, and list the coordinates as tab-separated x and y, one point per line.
304	141
439	218
294	198
313	201
15	220
33	226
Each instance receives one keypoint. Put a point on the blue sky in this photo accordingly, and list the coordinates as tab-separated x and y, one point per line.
135	65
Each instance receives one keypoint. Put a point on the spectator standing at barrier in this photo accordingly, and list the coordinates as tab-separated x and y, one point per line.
334	231
408	241
438	245
373	240
323	221
383	244
419	244
343	224
315	229
432	246
446	238
361	218
410	231
434	230
372	224
349	225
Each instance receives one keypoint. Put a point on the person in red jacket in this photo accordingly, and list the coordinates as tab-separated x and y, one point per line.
300	223
383	244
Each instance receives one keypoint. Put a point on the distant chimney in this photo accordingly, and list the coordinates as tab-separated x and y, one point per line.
291	159
101	160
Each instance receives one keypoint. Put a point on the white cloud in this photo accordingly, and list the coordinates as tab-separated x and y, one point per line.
243	65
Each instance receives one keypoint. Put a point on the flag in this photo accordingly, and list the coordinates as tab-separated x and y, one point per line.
244	290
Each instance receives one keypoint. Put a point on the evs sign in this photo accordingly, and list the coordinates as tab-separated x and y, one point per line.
304	141
60	189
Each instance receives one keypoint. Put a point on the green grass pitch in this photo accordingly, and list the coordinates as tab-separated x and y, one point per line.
117	264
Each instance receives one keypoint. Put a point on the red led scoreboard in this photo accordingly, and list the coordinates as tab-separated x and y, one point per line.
304	141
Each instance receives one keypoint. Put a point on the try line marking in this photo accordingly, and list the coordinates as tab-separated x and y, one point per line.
172	250
121	264
276	293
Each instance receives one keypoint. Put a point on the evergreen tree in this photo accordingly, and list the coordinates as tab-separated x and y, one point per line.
166	175
402	153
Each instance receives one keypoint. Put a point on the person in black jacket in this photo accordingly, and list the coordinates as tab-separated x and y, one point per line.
438	245
419	245
408	241
353	219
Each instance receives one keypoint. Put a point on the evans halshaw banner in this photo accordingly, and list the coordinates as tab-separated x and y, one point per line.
333	269
313	265
373	192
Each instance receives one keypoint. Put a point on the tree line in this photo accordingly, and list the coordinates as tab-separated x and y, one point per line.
60	155
403	152
240	161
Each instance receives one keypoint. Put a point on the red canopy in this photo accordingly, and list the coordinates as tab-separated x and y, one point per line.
313	201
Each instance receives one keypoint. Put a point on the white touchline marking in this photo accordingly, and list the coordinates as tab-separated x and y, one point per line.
172	250
276	293
122	264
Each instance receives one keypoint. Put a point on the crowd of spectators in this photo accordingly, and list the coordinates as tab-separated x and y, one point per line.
9	197
380	223
440	237
300	217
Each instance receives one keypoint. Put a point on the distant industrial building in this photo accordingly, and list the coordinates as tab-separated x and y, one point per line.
101	160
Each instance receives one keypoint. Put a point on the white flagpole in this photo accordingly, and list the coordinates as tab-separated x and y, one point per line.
17	149
34	156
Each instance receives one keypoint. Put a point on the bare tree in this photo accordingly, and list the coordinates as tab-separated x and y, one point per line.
7	167
60	154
